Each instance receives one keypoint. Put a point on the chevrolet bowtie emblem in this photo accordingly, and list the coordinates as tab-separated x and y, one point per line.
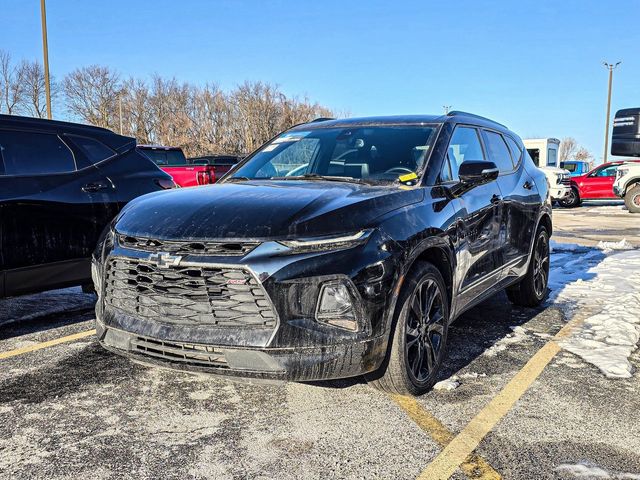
165	259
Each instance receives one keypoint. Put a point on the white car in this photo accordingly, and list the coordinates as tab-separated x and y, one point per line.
559	182
627	185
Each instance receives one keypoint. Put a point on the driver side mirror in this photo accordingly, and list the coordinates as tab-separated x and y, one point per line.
477	172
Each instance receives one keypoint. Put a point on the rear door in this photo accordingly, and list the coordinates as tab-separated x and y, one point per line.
48	225
519	196
599	183
478	222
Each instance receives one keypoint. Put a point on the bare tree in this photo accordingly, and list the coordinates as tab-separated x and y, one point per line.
583	154
568	147
92	95
34	100
11	84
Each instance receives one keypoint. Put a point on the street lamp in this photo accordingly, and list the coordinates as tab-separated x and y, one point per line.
611	67
45	48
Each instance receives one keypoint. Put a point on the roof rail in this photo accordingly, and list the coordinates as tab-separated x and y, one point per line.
321	119
453	113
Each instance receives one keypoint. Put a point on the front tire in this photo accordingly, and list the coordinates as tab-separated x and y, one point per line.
572	200
632	199
419	335
532	289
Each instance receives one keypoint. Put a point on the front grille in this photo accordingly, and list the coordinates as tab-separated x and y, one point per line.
565	181
202	295
180	352
187	248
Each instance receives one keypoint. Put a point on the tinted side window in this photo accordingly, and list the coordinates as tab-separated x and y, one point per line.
609	171
27	153
92	150
516	152
464	145
498	151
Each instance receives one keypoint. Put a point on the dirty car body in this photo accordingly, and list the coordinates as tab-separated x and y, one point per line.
290	268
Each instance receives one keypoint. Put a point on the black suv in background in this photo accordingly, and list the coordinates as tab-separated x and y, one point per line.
339	248
60	185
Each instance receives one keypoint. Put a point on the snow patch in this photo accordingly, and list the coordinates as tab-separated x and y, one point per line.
589	470
621	245
449	384
604	281
28	307
519	334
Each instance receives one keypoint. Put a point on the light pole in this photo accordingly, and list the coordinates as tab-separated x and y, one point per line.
45	48
611	67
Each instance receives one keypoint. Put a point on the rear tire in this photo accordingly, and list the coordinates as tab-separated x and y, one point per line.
532	289
419	335
572	200
632	199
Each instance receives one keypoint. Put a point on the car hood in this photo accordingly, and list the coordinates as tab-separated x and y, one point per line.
261	210
554	170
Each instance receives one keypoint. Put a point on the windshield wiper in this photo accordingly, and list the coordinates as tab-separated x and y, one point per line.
239	179
316	176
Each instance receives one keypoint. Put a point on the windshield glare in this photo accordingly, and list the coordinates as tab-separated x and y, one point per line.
376	154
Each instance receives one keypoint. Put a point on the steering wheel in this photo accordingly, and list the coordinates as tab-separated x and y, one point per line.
398	170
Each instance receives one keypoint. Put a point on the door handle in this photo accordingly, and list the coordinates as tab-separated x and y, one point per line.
93	187
495	199
527	185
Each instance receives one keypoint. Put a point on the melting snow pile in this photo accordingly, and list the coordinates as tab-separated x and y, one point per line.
606	283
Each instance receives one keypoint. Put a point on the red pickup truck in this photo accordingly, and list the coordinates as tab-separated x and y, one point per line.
189	172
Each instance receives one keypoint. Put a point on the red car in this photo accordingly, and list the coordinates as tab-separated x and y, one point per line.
594	185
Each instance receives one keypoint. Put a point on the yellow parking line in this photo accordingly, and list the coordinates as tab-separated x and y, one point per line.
474	466
50	343
463	445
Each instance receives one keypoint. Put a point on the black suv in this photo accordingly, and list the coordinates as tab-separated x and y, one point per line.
339	248
60	186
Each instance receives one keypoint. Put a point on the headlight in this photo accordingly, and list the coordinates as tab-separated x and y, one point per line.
320	244
335	306
621	172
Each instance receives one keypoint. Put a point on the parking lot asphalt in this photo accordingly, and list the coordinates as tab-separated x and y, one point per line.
72	409
596	221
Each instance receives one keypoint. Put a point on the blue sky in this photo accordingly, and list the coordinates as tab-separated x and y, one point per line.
534	65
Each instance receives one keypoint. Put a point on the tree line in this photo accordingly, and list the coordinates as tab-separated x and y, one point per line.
570	150
163	111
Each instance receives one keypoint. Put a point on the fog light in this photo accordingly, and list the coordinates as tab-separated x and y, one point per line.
335	306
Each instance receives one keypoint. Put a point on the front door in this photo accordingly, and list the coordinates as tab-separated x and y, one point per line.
599	183
47	213
477	219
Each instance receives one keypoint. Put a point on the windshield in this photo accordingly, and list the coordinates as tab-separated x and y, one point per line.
572	167
165	157
376	154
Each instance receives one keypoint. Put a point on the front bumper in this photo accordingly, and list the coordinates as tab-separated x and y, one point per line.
618	192
283	364
558	192
294	346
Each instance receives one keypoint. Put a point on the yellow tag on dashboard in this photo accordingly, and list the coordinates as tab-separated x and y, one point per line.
408	177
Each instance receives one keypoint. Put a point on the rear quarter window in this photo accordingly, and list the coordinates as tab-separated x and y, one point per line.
90	151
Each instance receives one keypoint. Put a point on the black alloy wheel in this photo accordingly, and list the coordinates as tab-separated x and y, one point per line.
418	341
424	331
541	266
